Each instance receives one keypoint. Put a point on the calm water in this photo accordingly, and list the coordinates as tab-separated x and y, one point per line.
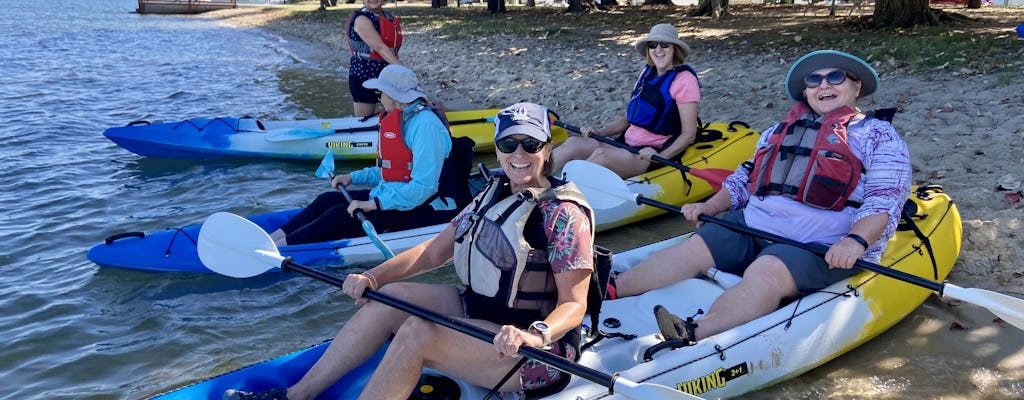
70	69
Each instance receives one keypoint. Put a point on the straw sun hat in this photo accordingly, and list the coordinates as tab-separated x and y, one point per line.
662	33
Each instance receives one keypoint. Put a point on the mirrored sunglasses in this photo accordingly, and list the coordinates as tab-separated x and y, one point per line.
836	77
654	45
530	145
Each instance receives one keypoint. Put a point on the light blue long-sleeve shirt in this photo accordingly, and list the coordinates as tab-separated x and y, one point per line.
430	143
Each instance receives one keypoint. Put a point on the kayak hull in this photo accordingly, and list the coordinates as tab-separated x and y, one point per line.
349	138
797	337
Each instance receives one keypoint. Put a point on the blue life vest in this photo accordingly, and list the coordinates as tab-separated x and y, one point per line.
652	106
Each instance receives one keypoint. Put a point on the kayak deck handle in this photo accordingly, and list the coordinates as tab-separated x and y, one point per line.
110	239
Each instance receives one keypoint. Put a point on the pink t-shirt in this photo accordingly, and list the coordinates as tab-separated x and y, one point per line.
684	89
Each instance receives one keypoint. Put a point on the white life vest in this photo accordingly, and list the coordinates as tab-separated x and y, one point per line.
492	255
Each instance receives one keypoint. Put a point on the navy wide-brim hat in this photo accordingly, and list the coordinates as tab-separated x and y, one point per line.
822	59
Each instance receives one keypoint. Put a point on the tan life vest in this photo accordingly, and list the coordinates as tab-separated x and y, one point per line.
492	255
809	161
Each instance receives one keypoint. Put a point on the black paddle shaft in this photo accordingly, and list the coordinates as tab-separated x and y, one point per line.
589	374
816	248
631	149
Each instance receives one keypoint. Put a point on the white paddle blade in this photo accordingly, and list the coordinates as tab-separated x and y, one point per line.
326	169
648	391
1007	308
603	188
234	246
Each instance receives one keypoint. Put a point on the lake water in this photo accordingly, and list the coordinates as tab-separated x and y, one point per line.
72	330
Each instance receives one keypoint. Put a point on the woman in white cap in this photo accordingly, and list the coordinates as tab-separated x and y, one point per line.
827	174
374	38
661	118
525	227
420	178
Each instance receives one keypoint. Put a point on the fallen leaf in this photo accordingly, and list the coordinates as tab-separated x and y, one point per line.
1013	197
930	115
957	327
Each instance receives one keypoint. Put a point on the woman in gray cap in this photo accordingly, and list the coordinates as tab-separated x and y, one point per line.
661	118
414	183
524	227
827	174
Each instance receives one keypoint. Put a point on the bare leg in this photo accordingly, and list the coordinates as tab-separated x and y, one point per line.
621	161
363	109
765	283
367	331
574	148
665	267
420	343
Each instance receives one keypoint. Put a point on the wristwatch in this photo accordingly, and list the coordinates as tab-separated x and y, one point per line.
542	328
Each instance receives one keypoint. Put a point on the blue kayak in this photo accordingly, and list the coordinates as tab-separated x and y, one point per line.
174	250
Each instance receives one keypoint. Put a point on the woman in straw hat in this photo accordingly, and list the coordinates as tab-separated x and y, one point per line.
827	174
661	118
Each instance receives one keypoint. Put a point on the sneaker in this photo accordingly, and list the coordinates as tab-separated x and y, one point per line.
277	393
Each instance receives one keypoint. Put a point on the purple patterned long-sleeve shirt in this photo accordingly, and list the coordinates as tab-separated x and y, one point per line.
883	189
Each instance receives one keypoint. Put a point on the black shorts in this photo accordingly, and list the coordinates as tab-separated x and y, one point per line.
362	70
734	251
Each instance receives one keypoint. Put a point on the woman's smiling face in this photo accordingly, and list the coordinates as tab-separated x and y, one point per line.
524	169
827	96
662	58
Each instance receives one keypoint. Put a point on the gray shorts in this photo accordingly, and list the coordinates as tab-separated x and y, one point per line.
734	251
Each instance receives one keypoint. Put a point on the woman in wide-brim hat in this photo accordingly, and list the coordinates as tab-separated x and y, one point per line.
661	118
826	174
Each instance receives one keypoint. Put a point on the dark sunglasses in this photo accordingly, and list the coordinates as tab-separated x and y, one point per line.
654	45
530	145
836	77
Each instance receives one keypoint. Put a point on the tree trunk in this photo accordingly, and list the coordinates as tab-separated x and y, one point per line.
903	13
582	5
496	6
712	8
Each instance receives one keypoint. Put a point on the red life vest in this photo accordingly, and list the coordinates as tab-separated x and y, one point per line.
387	25
391	32
808	161
393	157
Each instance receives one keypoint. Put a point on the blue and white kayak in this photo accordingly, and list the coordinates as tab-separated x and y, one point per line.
349	138
794	339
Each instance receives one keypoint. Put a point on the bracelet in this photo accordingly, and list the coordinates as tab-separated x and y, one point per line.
373	279
859	239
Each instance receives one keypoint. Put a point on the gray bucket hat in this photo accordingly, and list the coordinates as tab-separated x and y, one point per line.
398	82
822	59
662	33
